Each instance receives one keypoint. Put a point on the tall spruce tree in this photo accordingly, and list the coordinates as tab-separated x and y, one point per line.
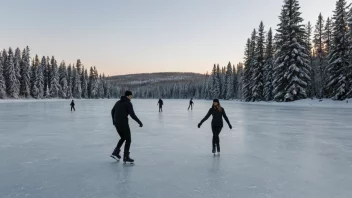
17	64
337	84
308	45
78	82
258	66
292	65
229	82
10	76
328	36
268	68
25	77
2	80
63	80
247	92
34	79
55	86
69	82
320	53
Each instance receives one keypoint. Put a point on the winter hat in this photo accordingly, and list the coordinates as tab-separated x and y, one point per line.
128	93
216	100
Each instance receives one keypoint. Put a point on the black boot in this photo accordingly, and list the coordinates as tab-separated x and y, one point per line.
213	151
116	155
126	158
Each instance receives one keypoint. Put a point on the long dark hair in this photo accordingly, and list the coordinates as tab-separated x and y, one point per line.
219	107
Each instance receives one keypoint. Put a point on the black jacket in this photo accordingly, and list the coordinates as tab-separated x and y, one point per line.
161	103
121	110
217	117
72	104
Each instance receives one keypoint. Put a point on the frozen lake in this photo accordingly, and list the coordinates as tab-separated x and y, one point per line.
281	151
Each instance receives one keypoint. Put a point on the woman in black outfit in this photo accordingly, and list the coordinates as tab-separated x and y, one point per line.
216	124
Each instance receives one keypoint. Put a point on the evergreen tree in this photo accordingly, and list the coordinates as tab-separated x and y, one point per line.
78	84
90	82
55	86
10	76
34	79
69	82
240	80
2	80
25	77
292	69
258	66
268	67
63	80
328	36
4	59
308	45
216	83
234	82
40	77
49	72
320	53
17	65
229	82
247	74
84	83
338	57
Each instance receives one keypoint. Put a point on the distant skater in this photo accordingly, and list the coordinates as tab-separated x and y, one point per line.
217	123
119	114
72	105
160	103
191	103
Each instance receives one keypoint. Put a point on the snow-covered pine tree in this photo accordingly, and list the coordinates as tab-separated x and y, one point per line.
69	81
349	68
328	36
319	54
338	57
240	76
308	45
17	64
247	74
74	76
84	83
95	84
90	82
4	59
101	87
292	66
10	76
223	83
78	82
45	75
218	83
229	82
2	80
34	79
55	86
258	66
40	80
63	80
49	72
25	77
215	83
268	67
234	82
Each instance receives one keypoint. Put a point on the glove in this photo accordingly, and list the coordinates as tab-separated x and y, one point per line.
230	126
199	125
140	124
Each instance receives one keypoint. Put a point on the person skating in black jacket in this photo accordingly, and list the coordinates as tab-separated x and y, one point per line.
217	123
72	105
160	103
119	114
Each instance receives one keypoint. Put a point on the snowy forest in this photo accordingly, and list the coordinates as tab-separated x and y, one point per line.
21	77
291	62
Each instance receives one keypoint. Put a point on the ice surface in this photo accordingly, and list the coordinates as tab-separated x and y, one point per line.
274	150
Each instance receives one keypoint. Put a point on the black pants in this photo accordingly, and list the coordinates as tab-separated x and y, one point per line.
216	140
190	106
125	135
73	107
160	108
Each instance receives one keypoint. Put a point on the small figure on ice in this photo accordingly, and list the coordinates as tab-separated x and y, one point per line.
191	103
72	105
217	123
119	114
160	103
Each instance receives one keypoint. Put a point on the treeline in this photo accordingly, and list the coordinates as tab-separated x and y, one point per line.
22	78
298	62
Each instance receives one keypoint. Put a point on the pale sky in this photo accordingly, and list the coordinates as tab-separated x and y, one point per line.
130	36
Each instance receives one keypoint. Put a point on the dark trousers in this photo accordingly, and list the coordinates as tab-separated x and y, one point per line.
73	107
125	135
160	108
216	140
190	106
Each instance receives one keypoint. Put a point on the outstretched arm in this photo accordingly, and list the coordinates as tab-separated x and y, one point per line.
226	118
206	117
132	114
